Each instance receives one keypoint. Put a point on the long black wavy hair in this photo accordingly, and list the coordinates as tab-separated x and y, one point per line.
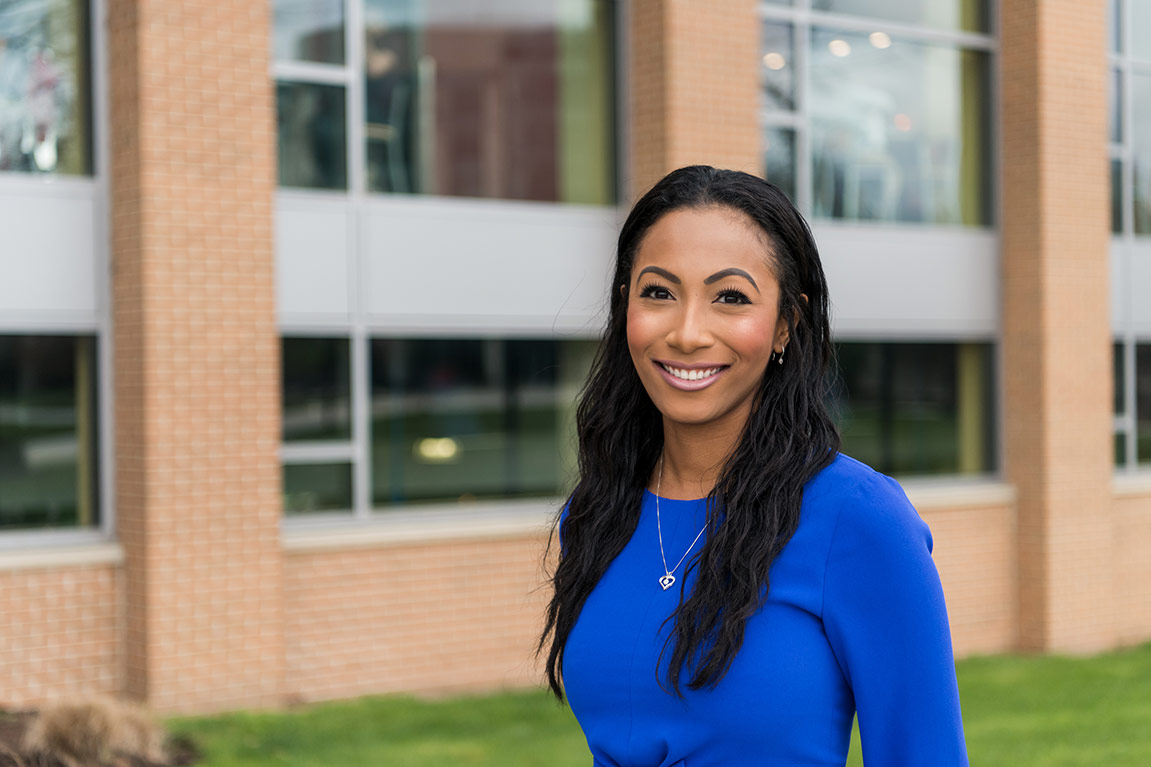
753	510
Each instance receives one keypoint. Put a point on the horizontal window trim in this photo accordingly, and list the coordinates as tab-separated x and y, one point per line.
849	23
953	492
295	453
29	549
421	524
770	118
1134	481
50	184
311	73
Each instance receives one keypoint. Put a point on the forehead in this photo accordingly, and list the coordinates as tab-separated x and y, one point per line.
705	240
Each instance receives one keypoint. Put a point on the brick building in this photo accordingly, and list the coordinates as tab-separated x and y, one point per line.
296	297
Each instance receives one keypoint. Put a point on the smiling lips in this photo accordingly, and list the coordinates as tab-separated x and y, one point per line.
691	378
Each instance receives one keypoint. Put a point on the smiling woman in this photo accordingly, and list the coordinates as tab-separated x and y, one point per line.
730	589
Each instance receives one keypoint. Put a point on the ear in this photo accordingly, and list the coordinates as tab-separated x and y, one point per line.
783	330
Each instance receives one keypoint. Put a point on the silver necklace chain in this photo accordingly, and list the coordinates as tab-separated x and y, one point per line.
667	579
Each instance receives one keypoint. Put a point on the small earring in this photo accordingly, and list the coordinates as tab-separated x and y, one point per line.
779	359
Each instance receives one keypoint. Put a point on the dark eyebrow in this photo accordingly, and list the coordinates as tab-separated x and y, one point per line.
731	273
662	273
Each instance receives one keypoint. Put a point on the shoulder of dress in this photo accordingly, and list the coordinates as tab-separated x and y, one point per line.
862	500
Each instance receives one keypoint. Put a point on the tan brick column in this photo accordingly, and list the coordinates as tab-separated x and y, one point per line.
693	89
196	351
1056	334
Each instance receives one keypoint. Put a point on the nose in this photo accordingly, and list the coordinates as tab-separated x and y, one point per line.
690	332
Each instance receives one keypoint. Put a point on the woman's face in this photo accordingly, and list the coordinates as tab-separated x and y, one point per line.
703	316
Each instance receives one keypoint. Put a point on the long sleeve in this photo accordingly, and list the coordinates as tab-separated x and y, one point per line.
885	617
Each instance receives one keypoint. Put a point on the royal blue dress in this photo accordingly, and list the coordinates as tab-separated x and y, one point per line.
854	620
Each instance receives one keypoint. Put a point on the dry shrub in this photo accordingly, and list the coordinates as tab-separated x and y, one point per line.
95	731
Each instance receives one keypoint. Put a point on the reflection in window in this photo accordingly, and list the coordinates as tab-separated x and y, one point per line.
1141	149
1118	359
1115	104
918	408
48	432
777	67
500	99
316	390
1143	402
310	121
45	108
1116	196
965	15
309	30
1115	25
311	488
899	130
779	148
464	419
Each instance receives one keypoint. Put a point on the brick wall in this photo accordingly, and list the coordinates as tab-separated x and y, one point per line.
433	617
693	91
196	351
1133	567
61	633
1056	326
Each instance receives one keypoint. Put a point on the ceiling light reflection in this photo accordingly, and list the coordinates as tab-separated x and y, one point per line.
839	47
774	61
880	40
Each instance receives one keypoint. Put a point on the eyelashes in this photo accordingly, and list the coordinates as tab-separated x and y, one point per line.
729	296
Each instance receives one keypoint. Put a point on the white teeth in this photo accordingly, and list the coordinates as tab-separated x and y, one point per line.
691	375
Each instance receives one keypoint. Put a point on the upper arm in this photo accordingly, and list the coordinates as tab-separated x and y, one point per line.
886	620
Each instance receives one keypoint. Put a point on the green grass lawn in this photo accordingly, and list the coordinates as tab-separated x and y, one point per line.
1018	711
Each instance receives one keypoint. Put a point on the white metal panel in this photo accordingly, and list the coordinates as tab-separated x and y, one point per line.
907	282
1138	287
48	254
313	259
479	267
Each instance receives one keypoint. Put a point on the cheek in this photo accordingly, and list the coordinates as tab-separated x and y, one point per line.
639	331
753	336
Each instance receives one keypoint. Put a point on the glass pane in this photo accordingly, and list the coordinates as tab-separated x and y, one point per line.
465	419
317	487
49	469
1120	449
311	135
309	30
966	15
1140	36
779	154
317	393
1116	196
501	99
777	67
899	130
1143	402
1141	150
45	95
1115	102
1118	360
778	2
918	408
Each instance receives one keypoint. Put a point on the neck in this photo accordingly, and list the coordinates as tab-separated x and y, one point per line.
693	455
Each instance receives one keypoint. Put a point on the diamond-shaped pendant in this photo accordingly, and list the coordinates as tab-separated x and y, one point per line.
666	581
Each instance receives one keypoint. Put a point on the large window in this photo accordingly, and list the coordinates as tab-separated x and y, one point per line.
505	99
918	408
45	92
442	420
1132	404
863	122
1129	89
48	432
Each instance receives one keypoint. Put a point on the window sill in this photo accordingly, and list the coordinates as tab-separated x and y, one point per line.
958	493
1131	483
430	524
58	556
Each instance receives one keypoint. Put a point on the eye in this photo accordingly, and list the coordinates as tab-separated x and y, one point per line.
652	290
732	296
